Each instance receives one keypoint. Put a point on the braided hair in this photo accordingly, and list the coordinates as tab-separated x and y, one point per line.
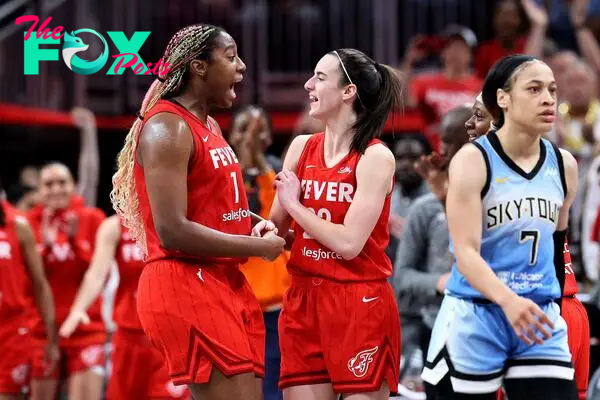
195	42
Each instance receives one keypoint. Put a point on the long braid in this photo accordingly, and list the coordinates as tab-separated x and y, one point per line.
187	44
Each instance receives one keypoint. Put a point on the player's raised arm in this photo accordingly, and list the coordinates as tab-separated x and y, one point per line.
374	175
165	147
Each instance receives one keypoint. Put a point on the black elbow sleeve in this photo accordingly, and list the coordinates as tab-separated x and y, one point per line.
559	238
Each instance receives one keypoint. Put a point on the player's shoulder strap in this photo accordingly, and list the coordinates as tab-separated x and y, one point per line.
488	167
311	142
561	166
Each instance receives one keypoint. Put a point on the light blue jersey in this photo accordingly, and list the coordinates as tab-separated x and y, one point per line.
472	341
520	213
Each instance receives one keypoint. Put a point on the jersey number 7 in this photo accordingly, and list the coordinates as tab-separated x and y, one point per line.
534	235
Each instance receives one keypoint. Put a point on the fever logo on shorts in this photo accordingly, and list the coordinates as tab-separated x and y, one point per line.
359	364
91	355
19	374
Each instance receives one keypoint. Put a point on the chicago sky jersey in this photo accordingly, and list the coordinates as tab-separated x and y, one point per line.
520	213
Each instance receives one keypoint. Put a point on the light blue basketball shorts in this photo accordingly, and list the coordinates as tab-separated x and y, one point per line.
476	345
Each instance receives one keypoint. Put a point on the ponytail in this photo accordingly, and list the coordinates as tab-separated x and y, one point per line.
371	121
378	92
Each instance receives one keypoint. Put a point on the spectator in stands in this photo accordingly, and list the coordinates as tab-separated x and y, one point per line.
437	93
508	28
559	61
250	137
409	185
561	27
578	130
422	264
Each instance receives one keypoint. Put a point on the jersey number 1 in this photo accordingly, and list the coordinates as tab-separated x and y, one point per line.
235	187
534	235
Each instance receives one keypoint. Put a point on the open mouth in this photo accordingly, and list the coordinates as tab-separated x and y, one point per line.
312	99
238	79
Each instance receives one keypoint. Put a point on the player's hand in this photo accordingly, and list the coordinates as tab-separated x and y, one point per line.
288	188
396	224
527	318
441	283
83	118
430	168
537	14
49	228
578	13
71	224
51	357
274	246
415	50
73	320
263	227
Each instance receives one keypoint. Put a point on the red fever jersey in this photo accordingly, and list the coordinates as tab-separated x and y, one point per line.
65	263
130	263
14	340
205	303
216	196
13	274
328	192
571	287
435	95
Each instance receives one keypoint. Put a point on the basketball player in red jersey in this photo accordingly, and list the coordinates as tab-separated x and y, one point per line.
180	191
138	370
65	232
20	262
340	328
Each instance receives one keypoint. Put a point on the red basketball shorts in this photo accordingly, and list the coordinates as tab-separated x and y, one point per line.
578	330
86	352
15	355
199	317
138	370
344	333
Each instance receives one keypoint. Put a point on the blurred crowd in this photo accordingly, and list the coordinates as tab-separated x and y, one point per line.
443	75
